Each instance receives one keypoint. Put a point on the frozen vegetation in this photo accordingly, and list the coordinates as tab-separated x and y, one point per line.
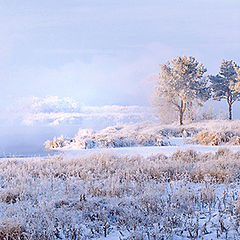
187	195
211	132
183	195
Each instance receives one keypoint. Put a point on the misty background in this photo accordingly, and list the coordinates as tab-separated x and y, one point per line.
66	64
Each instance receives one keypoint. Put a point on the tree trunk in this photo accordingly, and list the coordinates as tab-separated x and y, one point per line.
181	118
230	111
230	102
182	109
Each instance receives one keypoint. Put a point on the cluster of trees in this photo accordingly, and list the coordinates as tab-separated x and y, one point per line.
183	85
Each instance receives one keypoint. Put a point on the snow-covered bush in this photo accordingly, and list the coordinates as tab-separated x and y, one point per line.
163	109
57	143
12	230
235	140
216	138
209	138
113	137
207	113
211	132
150	140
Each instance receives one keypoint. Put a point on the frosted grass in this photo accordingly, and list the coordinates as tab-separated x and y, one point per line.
187	195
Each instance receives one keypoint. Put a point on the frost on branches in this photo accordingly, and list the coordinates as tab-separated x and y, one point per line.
181	82
132	135
163	109
225	85
235	85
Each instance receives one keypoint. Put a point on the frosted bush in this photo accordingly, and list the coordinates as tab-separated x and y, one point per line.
209	138
112	137
149	140
12	230
84	143
216	138
57	143
82	133
49	144
235	140
151	134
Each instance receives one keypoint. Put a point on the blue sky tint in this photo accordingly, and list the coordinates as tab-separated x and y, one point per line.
105	51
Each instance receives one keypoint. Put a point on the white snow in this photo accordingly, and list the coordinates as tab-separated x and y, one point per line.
179	191
149	150
143	134
127	197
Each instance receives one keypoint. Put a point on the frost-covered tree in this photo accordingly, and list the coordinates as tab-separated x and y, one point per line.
163	109
223	84
181	82
235	86
193	110
168	114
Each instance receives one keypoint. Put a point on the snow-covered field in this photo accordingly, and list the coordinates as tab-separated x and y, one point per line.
176	190
147	151
186	195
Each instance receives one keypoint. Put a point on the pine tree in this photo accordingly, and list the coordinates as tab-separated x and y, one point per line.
223	84
235	86
181	82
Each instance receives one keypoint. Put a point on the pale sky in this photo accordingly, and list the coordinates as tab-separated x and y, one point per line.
107	51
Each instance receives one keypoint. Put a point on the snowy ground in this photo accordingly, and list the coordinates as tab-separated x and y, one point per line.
178	191
177	144
152	134
148	151
186	195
